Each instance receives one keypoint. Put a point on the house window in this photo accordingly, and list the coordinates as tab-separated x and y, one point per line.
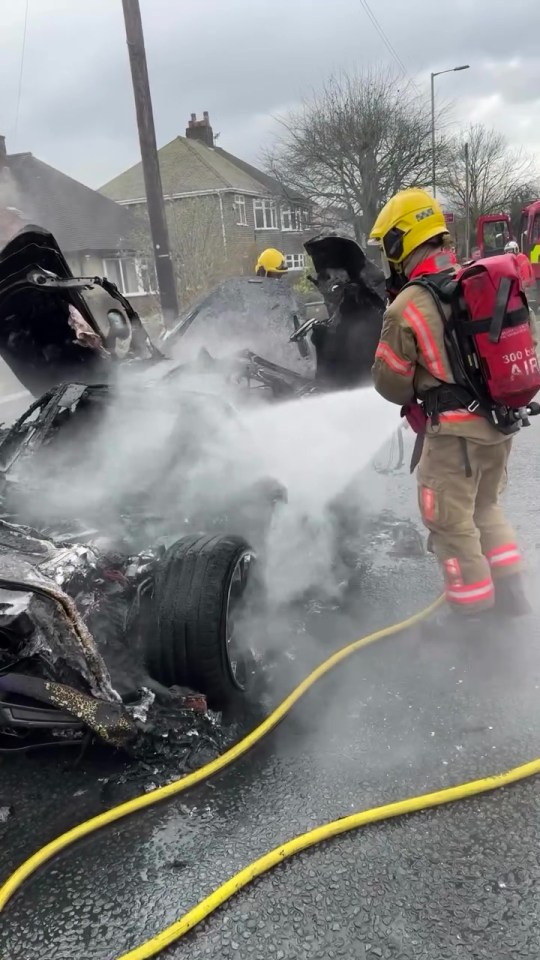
295	261
240	210
291	218
265	213
133	276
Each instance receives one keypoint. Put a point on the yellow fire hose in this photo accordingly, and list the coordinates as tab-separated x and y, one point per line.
223	893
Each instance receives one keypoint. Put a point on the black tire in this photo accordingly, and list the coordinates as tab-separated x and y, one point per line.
193	604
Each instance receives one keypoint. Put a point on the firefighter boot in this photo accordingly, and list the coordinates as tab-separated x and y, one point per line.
448	622
510	597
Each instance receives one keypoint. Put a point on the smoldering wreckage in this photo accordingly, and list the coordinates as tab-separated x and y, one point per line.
125	576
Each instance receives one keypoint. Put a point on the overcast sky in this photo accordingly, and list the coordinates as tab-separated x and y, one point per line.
245	62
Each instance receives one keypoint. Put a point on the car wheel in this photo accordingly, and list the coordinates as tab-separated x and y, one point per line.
200	589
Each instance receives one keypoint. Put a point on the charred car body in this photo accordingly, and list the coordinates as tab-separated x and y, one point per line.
100	613
266	314
353	290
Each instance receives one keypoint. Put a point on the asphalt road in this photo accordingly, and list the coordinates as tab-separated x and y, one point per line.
410	714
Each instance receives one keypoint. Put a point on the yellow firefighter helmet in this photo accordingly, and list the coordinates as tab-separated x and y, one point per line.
410	218
271	263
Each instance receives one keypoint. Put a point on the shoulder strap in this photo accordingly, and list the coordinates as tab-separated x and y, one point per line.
442	286
499	312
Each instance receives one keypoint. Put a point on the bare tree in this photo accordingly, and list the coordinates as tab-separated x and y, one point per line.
522	197
500	178
353	144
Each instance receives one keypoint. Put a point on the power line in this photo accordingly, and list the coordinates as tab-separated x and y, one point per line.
389	46
383	36
23	50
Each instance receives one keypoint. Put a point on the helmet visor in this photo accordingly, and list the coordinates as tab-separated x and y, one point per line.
385	266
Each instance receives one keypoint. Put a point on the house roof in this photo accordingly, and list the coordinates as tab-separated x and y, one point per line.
80	218
190	166
263	178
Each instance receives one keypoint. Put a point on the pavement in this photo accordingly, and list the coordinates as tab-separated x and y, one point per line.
410	714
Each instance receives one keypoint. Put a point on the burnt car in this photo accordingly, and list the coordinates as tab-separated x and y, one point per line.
266	314
258	312
121	575
55	327
353	289
51	331
126	567
89	635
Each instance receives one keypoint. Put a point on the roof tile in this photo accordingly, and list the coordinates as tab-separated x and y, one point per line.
80	218
189	166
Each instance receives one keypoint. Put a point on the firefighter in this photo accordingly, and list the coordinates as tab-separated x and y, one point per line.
526	271
463	464
512	247
271	263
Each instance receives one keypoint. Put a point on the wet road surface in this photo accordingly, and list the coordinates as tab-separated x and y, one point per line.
408	715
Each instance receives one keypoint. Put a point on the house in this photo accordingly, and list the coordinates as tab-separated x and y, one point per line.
95	234
221	210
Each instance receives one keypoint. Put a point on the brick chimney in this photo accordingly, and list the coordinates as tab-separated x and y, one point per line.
200	129
3	151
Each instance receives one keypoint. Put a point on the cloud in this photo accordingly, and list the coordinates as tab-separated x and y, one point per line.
245	64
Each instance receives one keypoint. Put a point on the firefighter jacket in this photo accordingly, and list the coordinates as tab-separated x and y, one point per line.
411	358
526	271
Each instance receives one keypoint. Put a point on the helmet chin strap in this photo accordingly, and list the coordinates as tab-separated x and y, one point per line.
395	280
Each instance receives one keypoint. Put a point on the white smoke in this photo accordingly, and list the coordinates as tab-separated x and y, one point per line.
14	213
317	448
186	454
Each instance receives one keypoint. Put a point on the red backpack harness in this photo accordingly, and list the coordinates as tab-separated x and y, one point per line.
489	341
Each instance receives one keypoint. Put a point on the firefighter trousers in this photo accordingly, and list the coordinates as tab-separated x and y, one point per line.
459	486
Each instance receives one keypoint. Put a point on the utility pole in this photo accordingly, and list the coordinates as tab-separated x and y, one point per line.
467	204
150	163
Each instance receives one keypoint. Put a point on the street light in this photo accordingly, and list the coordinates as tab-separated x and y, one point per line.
467	204
433	165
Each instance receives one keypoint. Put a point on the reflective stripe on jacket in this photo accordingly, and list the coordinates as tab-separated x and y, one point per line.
526	271
411	359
